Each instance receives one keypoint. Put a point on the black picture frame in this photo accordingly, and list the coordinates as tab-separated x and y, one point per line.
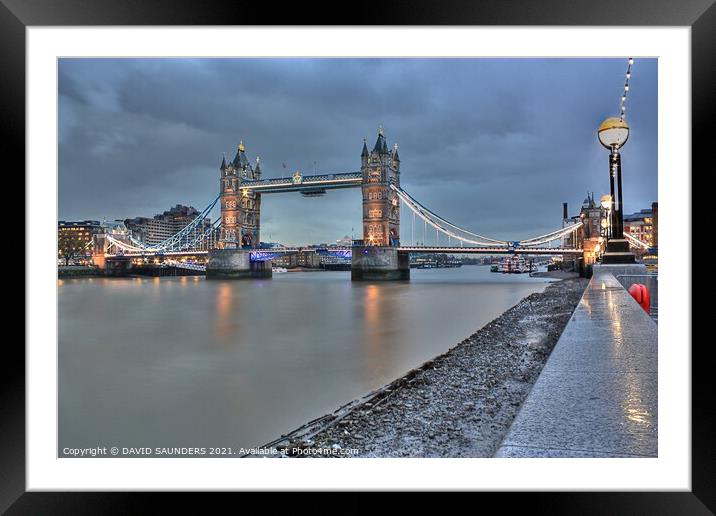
16	15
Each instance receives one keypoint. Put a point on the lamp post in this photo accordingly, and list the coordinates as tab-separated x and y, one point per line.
606	204
613	133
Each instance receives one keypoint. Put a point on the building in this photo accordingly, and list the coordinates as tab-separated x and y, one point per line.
74	240
346	241
307	259
643	225
152	231
590	237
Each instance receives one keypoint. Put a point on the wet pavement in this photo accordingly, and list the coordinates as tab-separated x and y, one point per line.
597	393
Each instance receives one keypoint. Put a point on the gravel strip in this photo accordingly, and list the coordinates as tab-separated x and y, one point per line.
459	404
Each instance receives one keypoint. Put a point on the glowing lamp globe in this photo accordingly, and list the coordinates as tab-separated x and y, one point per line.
613	133
606	201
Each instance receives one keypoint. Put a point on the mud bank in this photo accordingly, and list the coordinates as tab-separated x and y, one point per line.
459	404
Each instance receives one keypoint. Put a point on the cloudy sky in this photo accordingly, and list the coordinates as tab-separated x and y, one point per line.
494	145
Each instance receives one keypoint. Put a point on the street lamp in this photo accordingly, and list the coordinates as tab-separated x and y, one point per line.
613	133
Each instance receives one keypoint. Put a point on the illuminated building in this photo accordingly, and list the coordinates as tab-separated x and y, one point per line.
643	225
590	236
74	240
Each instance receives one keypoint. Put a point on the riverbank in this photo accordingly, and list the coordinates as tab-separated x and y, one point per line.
459	404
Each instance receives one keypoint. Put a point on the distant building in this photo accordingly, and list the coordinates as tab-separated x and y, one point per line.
74	240
115	228
346	241
643	225
151	231
305	259
155	230
590	236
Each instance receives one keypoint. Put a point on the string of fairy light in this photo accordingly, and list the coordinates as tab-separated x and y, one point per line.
630	63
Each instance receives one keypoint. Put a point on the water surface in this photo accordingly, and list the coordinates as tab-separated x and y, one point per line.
188	362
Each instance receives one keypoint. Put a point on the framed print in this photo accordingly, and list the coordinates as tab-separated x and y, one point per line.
427	246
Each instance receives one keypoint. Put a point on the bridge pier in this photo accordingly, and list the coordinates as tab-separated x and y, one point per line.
117	266
235	264
376	263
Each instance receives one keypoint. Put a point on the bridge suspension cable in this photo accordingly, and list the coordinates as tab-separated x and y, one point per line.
186	238
636	242
458	233
425	213
550	237
441	224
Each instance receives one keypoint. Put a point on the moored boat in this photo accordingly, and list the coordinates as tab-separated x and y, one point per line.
514	265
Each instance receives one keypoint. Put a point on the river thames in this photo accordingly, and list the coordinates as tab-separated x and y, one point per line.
186	362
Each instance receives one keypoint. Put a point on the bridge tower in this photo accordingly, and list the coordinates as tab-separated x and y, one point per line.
378	258
240	211
240	208
381	206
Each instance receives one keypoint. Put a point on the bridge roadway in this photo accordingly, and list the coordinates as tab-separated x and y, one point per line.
402	249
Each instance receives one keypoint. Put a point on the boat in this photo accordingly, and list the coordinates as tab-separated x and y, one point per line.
514	265
494	268
277	270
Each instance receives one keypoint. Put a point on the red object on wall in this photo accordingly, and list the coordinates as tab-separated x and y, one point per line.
641	294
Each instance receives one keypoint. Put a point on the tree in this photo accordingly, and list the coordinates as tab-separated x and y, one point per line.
71	244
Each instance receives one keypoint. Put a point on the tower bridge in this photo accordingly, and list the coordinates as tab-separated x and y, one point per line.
232	243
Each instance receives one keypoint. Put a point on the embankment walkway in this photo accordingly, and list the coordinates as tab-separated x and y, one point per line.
597	393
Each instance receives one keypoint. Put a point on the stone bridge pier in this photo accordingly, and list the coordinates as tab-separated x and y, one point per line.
235	264
373	263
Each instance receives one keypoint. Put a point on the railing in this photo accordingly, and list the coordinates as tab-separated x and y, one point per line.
189	266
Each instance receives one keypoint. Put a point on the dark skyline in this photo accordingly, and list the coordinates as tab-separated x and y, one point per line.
494	145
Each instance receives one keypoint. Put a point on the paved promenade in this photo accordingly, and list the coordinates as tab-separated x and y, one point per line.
597	394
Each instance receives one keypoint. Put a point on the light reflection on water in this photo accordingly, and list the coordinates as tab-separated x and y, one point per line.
190	362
